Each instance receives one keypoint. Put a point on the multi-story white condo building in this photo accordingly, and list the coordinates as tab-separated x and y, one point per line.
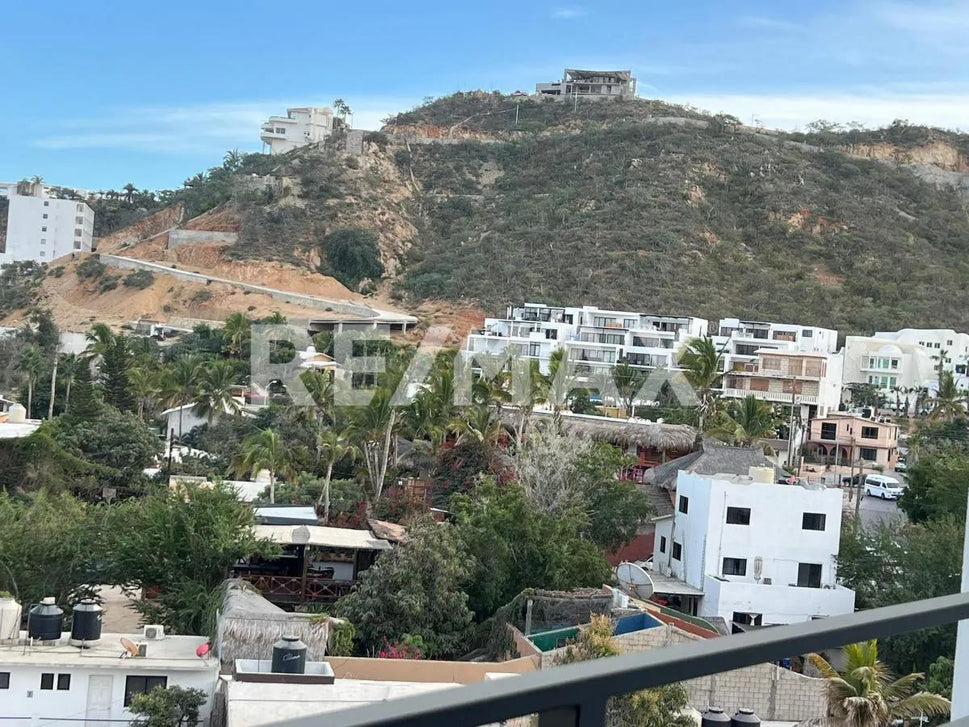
595	339
741	340
761	553
41	227
907	358
299	127
590	84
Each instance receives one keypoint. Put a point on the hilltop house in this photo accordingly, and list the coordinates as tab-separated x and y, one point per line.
590	84
299	127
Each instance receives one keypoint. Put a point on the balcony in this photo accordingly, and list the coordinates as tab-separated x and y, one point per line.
294	590
781	397
576	695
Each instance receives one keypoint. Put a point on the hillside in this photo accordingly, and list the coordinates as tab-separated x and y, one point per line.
634	204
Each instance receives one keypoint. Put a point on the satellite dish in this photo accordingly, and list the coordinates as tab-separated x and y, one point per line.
131	649
634	581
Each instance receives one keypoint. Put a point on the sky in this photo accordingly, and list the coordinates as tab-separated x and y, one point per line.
99	94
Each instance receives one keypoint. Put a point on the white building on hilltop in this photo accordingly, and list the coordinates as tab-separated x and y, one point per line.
761	553
41	227
590	84
595	339
906	358
299	127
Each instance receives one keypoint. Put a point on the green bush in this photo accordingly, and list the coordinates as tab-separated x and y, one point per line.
352	254
139	279
90	268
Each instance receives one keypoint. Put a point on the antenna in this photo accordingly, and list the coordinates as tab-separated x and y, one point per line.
634	581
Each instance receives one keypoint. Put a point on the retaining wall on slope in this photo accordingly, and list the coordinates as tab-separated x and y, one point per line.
192	237
309	301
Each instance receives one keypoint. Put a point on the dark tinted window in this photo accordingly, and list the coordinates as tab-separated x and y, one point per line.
677	551
813	521
4	680
63	682
141	685
738	515
809	575
46	681
684	504
662	543
735	566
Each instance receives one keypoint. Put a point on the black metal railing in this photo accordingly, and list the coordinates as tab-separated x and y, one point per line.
576	695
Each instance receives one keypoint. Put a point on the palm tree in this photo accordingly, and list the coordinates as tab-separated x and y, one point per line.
143	385
129	191
942	358
374	428
236	333
628	381
949	399
214	396
332	445
179	384
33	365
233	160
99	339
265	450
479	423
319	384
68	366
703	367
866	694
746	422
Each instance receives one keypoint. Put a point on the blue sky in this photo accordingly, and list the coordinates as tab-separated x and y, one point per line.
98	94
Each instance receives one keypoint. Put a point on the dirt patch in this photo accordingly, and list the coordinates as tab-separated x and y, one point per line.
220	219
826	277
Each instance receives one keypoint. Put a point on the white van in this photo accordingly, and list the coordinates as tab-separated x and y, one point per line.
883	486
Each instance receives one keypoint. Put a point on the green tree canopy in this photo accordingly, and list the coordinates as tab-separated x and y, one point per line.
417	589
352	254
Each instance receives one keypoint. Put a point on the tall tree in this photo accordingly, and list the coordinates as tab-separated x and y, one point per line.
32	364
375	427
702	362
113	373
265	450
745	422
332	446
235	334
216	382
949	399
866	694
67	368
417	590
629	380
179	385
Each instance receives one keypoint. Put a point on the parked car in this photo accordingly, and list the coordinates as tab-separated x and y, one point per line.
883	486
900	466
849	481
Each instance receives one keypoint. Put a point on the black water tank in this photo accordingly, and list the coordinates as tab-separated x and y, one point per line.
45	620
289	655
714	717
745	718
86	624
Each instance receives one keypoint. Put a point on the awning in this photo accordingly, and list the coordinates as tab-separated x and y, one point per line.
320	536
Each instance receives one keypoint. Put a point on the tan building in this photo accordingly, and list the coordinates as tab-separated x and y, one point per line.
846	438
811	380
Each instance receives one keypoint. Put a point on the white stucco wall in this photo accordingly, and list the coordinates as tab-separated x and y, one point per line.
27	238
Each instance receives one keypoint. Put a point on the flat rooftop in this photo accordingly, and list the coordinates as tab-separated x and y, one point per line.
252	704
171	653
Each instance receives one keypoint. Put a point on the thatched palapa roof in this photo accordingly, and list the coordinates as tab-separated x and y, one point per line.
249	625
623	432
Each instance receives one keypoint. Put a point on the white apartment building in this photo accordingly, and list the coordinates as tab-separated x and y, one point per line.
810	381
59	684
299	127
906	358
596	339
41	227
761	553
740	340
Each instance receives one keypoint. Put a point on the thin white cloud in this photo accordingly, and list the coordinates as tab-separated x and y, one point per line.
198	129
569	12
872	108
768	23
927	19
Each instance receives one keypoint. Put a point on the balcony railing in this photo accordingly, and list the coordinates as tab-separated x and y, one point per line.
576	695
782	397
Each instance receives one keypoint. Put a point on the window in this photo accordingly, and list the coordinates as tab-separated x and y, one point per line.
46	204
662	543
45	215
677	551
534	349
142	685
47	681
43	228
63	682
4	680
80	206
948	343
738	516
43	241
813	521
829	430
936	346
735	566
43	254
869	454
78	233
869	432
684	504
807	333
78	220
809	575
280	129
